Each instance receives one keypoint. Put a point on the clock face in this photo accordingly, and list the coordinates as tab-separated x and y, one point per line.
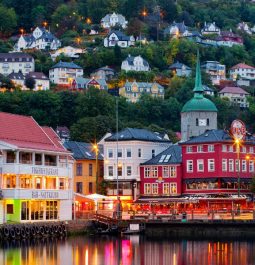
202	122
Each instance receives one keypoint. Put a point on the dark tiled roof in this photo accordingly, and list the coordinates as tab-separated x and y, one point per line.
15	57
38	75
16	76
172	155
216	136
120	35
61	64
179	65
83	150
132	134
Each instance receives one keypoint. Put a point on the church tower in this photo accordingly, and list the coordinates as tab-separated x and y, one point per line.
199	113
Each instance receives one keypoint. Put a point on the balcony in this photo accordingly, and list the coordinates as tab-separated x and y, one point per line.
36	170
37	194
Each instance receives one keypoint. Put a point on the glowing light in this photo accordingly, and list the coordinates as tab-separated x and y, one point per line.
88	20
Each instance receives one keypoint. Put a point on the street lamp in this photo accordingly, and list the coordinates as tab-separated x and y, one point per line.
237	143
95	148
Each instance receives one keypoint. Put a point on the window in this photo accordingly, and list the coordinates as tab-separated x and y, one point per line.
200	165
9	208
251	149
38	159
120	170
25	210
237	165
51	210
79	169
90	187
199	148
231	165
147	172
196	121
172	172
165	172
189	149
154	188
167	158
154	172
61	183
38	183
173	188
37	209
129	152
139	152
210	148
25	158
224	148
147	188
90	169
244	166
119	153
189	165
207	122
243	149
152	153
224	165
10	157
129	170
165	188
211	166
110	153
50	160
79	187
251	166
110	171
230	148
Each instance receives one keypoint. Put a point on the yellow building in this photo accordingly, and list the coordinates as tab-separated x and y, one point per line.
88	168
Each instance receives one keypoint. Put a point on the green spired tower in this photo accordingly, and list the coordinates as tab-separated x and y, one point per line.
199	113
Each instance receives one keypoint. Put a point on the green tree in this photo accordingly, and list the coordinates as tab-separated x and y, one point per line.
30	82
8	20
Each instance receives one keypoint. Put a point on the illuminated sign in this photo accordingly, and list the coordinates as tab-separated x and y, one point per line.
45	195
45	171
238	129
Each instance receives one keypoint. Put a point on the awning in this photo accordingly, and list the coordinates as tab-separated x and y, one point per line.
151	200
233	180
94	197
196	180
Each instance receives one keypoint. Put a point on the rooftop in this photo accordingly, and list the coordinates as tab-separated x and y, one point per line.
242	66
71	65
233	90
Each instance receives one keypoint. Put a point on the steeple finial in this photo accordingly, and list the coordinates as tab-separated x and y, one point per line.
198	89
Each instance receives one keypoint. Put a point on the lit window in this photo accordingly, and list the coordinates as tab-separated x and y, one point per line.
154	172
147	188
154	188
210	148
173	188
165	188
172	172
147	172
244	166
251	166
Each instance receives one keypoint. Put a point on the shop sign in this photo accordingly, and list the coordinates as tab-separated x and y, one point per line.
238	129
159	180
45	195
45	171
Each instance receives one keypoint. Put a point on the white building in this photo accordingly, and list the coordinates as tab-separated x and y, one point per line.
180	69
177	30
210	28
63	73
243	26
236	95
111	20
67	51
18	80
42	82
243	71
136	63
36	172
135	146
16	62
116	37
40	39
216	71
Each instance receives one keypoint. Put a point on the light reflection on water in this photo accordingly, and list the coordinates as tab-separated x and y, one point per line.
133	250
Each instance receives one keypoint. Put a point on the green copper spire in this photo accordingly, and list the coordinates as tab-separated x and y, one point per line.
198	89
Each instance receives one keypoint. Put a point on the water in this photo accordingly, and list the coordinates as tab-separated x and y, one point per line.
131	250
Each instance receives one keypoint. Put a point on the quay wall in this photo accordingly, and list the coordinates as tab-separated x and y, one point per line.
191	230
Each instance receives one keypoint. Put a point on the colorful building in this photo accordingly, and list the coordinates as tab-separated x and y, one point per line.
35	171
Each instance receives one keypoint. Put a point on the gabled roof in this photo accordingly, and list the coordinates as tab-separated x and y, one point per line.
61	64
179	65
233	90
83	82
15	57
120	35
181	27
242	66
25	132
133	134
16	76
121	18
172	155
83	150
38	75
130	59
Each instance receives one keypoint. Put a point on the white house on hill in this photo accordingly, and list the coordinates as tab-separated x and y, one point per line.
136	63
111	20
118	38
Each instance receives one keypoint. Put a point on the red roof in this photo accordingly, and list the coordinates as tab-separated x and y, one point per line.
242	66
233	90
25	132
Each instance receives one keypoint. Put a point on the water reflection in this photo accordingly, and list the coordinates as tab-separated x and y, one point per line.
133	250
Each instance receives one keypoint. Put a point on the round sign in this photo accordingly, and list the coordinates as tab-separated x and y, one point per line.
238	129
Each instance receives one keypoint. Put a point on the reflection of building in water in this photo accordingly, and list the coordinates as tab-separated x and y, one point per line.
35	172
